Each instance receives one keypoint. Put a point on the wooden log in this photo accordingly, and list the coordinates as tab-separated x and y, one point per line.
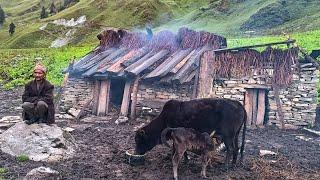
103	104
96	92
279	107
85	106
248	105
261	107
169	63
126	99
254	106
145	64
205	77
135	89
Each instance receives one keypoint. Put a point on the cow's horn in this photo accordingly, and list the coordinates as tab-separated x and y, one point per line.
211	135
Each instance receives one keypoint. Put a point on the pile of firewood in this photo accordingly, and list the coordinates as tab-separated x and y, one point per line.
192	39
134	40
163	40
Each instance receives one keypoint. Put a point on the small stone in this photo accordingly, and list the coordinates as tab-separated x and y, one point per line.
42	173
266	152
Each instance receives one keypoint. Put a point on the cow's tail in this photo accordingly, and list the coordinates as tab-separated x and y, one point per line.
243	135
164	136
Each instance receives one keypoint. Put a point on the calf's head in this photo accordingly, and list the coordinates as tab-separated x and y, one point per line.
210	145
144	142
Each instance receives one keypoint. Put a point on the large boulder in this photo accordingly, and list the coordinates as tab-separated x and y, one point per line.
40	142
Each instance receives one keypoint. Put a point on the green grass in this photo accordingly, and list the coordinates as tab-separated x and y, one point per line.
3	170
17	64
22	158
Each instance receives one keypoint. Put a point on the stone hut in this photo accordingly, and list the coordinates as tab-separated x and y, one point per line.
137	73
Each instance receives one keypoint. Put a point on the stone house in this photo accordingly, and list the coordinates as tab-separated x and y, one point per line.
137	73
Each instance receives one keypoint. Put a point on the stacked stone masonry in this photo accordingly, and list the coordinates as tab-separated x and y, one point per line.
76	93
299	100
151	98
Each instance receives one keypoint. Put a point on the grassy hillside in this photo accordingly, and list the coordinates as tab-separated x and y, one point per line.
231	18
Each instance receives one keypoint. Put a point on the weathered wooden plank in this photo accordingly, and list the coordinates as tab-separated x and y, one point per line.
84	60
142	52
195	85
254	106
103	104
183	61
135	89
205	78
96	92
261	107
97	58
248	105
116	67
104	62
188	78
126	99
191	65
140	61
145	64
279	107
169	63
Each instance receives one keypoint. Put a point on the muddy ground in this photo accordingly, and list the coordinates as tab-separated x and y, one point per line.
102	143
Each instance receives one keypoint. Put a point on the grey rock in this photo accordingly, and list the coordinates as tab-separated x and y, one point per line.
40	142
42	173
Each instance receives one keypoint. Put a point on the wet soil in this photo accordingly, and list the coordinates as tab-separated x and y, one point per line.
102	145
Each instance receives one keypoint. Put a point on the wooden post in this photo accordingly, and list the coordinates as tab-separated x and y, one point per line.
261	106
134	98
254	106
126	99
248	105
195	85
96	92
279	107
103	105
205	78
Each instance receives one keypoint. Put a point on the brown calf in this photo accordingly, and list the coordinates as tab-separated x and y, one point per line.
187	139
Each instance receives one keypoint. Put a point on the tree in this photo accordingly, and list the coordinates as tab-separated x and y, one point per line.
2	16
12	28
43	13
53	9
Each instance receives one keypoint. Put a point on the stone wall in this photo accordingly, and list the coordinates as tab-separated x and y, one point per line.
299	100
151	98
76	93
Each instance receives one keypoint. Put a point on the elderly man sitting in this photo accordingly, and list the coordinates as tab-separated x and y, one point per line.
37	98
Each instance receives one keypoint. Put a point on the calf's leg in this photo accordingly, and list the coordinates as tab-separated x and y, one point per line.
177	156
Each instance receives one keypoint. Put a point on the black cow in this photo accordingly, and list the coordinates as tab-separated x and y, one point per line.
224	116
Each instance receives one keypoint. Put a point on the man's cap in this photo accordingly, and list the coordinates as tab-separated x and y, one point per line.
41	68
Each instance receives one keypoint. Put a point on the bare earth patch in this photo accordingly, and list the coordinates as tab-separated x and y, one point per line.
102	145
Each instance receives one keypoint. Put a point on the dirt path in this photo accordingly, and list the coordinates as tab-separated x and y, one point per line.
102	144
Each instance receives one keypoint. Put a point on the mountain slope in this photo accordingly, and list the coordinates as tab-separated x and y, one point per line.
232	18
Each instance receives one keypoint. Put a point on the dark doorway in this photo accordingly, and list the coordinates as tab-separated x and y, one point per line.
116	91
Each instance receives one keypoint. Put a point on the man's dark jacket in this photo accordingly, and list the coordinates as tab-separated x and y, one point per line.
45	93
